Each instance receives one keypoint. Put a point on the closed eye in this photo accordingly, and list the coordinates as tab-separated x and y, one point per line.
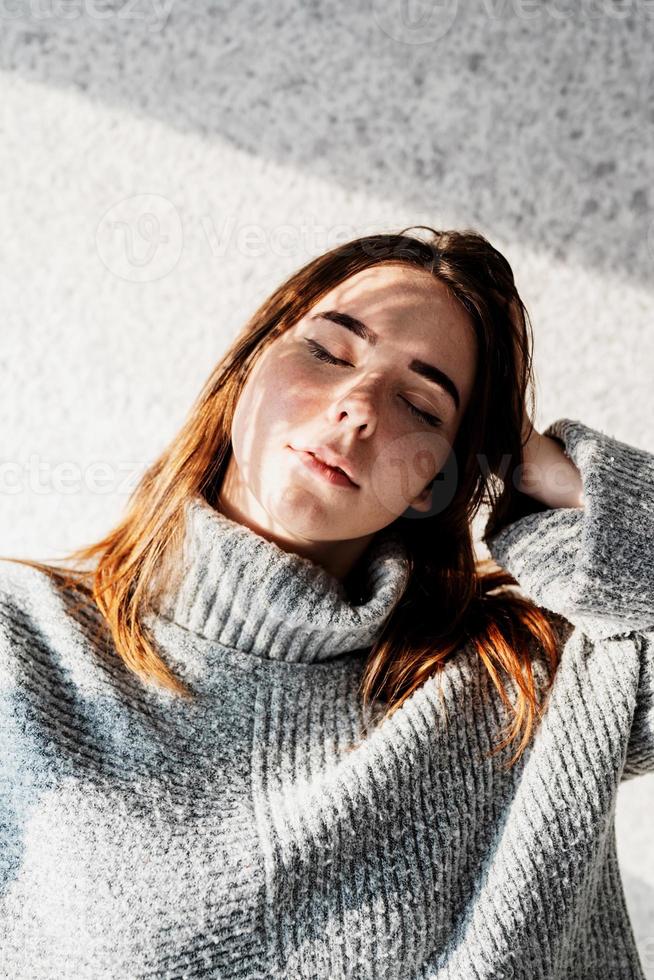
323	355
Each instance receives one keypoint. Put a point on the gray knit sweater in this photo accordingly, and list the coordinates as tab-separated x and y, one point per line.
236	836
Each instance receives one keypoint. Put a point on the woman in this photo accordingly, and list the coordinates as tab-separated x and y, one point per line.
280	722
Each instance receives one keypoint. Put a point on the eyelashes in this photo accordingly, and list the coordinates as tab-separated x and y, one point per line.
323	355
423	416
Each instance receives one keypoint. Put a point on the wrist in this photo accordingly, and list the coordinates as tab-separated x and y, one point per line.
548	474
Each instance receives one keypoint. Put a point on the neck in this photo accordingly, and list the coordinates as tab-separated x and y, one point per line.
240	589
338	558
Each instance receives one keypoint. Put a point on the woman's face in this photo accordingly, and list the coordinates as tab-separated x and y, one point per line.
392	427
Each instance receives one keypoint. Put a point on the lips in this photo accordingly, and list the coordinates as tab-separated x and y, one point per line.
321	460
327	456
333	474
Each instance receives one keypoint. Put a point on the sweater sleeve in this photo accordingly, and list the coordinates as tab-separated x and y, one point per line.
593	565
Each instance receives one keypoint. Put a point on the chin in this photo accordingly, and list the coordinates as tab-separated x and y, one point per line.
303	514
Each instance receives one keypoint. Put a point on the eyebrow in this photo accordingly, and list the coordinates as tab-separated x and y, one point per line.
428	371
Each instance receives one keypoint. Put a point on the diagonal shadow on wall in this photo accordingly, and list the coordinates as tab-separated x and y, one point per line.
531	122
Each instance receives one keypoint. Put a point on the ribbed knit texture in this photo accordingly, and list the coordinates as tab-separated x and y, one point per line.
268	829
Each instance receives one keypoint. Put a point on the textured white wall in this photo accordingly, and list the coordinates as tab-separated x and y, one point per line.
165	165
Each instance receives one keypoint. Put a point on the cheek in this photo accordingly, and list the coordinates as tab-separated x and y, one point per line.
293	393
404	464
414	458
295	398
275	398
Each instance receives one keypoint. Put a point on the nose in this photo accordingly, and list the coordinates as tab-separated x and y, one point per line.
356	408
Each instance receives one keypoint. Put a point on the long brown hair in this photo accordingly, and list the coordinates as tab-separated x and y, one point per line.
451	598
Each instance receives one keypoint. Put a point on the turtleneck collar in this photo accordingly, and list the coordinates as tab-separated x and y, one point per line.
239	589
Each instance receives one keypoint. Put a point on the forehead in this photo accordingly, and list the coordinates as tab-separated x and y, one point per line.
409	308
399	295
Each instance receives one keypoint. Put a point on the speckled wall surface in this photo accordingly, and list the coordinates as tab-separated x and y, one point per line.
164	165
